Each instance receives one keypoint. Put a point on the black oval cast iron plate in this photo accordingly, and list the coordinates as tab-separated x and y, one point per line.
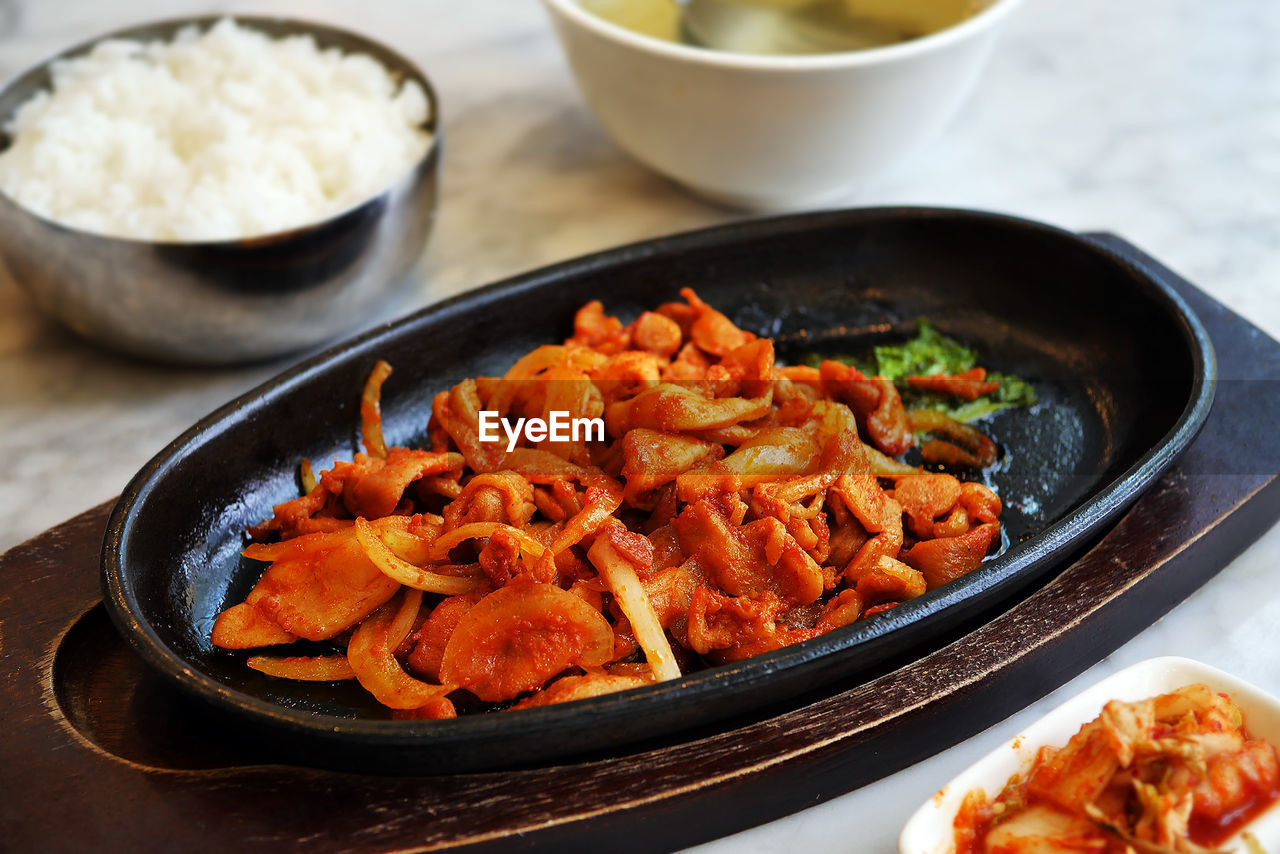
1124	371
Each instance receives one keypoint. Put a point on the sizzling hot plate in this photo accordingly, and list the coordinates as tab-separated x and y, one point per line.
1123	369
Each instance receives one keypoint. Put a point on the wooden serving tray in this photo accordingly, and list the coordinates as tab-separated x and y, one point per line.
97	753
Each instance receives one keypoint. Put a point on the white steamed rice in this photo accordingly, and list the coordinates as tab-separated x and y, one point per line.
221	135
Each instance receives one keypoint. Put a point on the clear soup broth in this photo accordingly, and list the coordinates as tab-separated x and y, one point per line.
796	26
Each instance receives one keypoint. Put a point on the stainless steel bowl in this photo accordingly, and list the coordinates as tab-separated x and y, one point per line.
228	301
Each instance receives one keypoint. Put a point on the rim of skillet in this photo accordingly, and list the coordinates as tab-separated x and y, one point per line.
123	606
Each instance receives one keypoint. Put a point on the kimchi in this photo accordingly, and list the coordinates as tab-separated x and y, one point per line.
1177	773
723	506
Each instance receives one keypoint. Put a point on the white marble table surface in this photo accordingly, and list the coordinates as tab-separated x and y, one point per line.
1155	119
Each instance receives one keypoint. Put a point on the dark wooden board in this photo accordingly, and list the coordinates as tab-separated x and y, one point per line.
98	754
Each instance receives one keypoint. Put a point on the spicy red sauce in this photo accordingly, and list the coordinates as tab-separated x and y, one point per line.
1212	831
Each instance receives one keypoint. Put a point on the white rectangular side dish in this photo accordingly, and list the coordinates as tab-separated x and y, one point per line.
930	829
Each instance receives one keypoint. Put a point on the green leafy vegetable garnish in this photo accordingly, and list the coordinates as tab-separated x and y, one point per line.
928	354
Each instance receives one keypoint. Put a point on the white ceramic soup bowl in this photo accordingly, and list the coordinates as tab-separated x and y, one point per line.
772	132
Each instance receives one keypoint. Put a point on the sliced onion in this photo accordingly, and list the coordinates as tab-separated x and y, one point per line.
320	668
371	410
371	654
307	475
398	569
882	465
475	530
403	621
625	585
